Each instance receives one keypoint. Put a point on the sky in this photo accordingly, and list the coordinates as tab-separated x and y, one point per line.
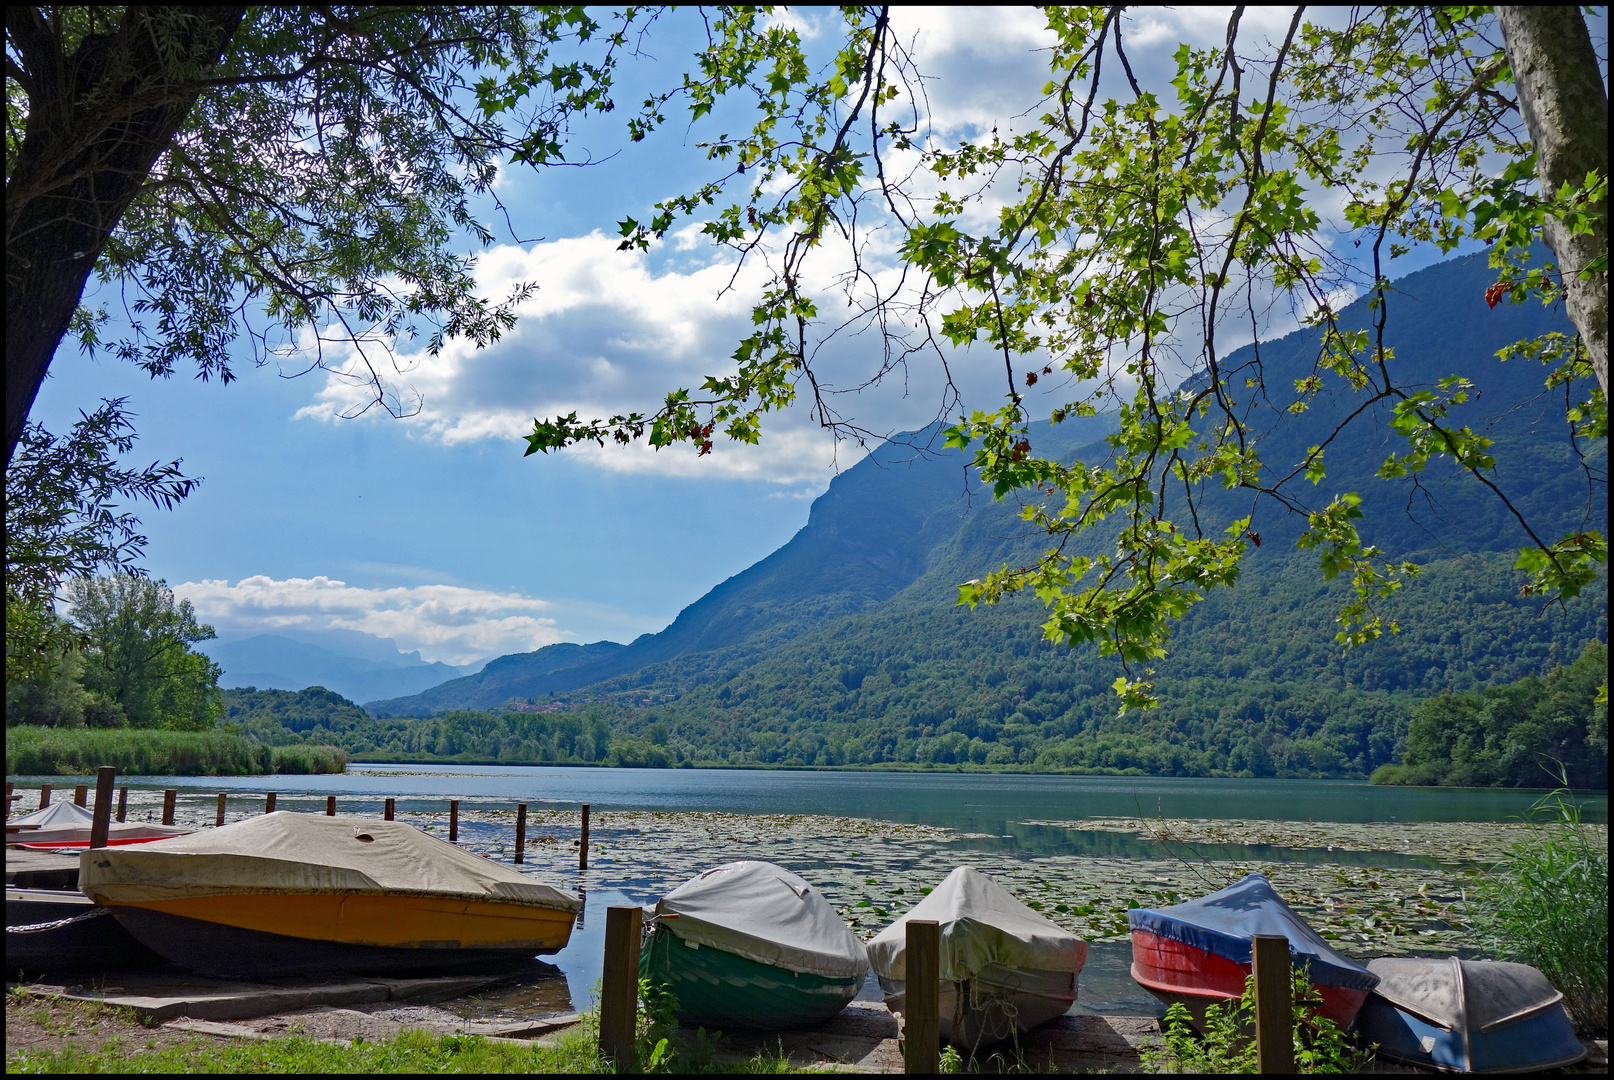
434	530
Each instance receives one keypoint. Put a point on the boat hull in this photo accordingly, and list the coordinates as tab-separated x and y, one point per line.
230	952
997	1004
718	989
48	931
1179	973
1543	1041
241	935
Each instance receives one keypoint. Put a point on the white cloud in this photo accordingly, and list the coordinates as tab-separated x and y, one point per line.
445	622
610	332
604	334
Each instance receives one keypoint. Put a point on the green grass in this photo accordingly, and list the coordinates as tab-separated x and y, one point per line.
1546	904
575	1051
409	1052
42	751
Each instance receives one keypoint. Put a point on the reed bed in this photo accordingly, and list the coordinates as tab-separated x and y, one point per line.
42	751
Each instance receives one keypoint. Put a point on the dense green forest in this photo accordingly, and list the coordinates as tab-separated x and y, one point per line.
1256	688
288	717
1530	733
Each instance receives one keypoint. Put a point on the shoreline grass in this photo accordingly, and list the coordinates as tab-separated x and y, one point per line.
1546	904
42	751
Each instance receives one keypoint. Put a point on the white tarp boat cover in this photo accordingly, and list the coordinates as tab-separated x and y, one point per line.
1457	994
69	823
764	913
285	852
981	924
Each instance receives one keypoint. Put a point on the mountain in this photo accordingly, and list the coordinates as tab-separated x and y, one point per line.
866	539
845	644
353	664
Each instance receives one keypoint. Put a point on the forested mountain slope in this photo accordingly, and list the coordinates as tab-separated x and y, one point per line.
871	535
845	646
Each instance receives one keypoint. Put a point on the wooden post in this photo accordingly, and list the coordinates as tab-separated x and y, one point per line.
101	823
619	986
921	1021
386	814
582	848
521	832
81	794
169	795
123	803
453	821
330	806
220	820
269	803
8	800
44	796
1274	1007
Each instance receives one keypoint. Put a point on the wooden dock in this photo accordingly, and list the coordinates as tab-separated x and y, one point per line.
27	869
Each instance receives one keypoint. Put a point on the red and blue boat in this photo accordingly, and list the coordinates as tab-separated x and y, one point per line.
1200	953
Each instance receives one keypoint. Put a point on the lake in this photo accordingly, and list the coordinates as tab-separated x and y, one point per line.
970	802
1000	812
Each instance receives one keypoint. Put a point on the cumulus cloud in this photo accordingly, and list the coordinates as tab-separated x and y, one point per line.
604	333
449	623
609	331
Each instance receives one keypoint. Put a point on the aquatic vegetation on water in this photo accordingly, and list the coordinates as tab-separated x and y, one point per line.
872	871
1454	841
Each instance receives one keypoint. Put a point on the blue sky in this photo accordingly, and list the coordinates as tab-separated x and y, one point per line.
434	530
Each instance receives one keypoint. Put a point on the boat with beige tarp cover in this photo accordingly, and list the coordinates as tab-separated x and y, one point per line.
1004	968
302	894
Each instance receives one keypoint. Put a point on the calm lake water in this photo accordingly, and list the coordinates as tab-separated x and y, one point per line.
997	805
973	802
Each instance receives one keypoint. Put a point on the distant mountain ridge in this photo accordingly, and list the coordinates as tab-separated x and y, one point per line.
885	546
355	665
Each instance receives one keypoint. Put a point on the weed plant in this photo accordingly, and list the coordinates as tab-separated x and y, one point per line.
42	751
1227	1046
1546	904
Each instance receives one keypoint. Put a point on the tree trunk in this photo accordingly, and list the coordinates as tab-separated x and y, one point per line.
1565	109
97	122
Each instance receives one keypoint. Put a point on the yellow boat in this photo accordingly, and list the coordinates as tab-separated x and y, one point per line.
303	894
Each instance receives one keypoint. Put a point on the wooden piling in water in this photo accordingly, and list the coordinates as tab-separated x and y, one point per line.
386	813
123	803
582	847
453	821
101	820
8	800
169	795
81	794
921	1020
269	803
521	832
1274	1007
44	796
330	806
220	819
619	986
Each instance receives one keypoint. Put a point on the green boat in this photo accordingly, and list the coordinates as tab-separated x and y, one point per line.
751	945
